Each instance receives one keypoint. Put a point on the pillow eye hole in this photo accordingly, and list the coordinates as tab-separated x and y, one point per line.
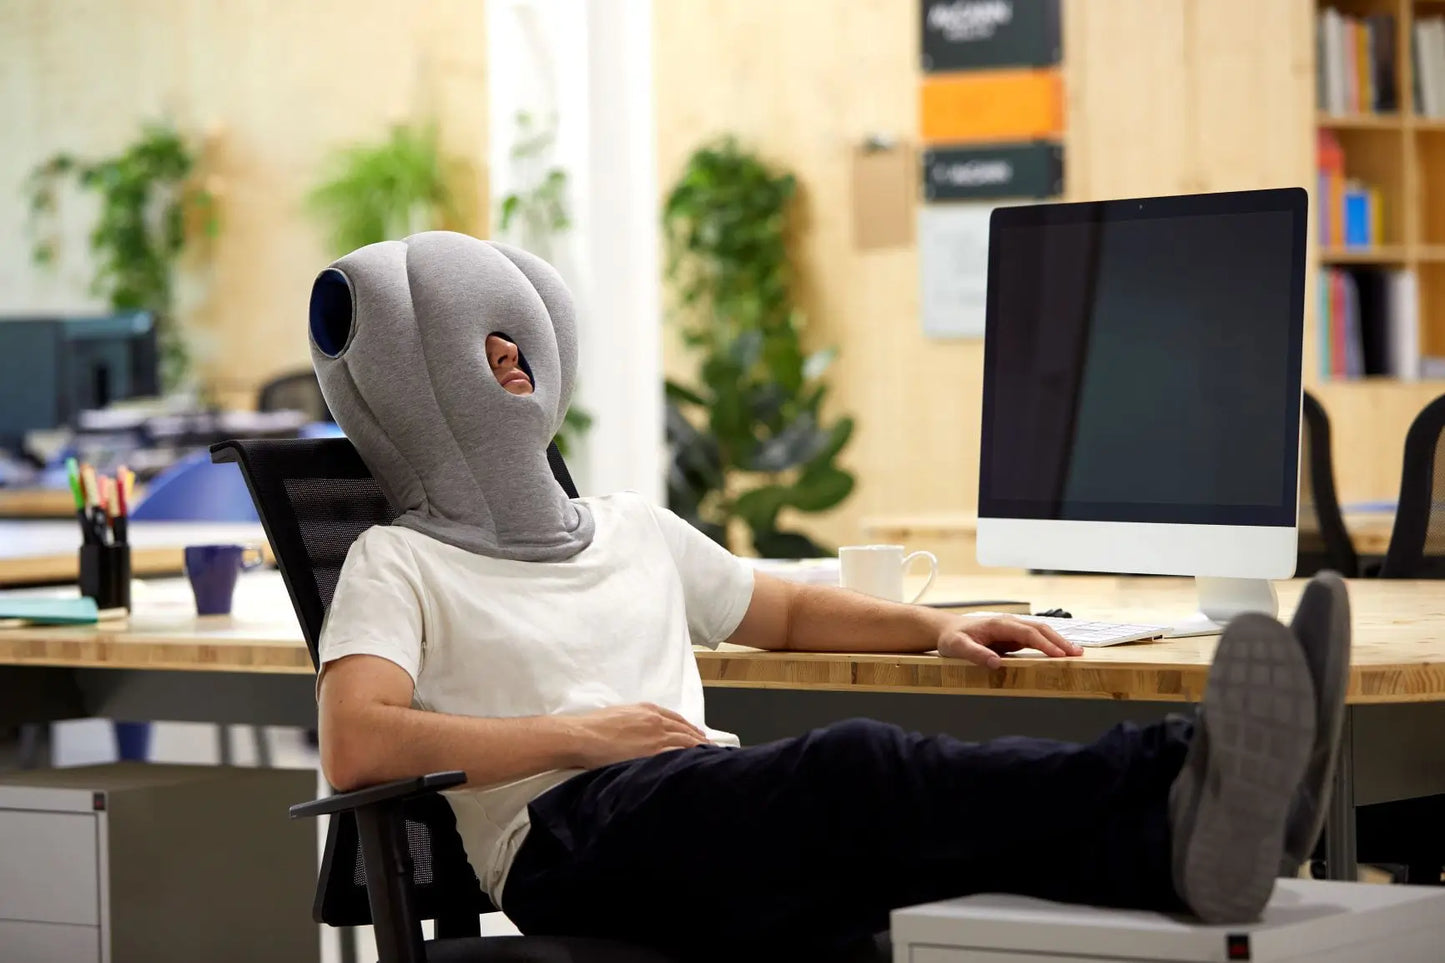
332	312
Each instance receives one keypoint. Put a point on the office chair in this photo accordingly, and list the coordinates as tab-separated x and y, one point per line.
1417	542
393	857
298	391
1323	541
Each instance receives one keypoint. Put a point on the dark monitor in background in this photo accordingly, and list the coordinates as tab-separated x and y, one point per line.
53	368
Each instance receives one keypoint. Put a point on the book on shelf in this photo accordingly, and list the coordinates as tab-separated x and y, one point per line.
1428	43
1369	323
1350	213
1355	63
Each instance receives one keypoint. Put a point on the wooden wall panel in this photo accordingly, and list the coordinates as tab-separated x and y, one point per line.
281	82
1162	96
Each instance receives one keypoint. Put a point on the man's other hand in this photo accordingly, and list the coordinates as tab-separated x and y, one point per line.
981	639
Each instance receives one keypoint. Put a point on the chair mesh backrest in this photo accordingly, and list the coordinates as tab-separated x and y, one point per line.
1323	541
315	497
1417	543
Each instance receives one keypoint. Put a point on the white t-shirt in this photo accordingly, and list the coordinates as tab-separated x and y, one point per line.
480	636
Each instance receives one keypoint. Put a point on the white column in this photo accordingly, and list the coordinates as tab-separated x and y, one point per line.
591	64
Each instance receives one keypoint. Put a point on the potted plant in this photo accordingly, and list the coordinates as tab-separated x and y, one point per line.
153	206
387	190
748	439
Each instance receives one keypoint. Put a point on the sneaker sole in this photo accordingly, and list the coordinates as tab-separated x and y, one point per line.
1231	800
1331	686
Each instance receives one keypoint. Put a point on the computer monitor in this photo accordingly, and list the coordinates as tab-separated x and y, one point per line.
1141	399
53	368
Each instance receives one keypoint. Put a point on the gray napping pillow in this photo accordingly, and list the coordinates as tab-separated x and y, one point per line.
398	332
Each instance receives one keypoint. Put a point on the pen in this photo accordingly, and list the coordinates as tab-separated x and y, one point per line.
109	494
123	484
77	492
95	516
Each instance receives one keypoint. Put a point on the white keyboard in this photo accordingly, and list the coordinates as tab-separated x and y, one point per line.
1088	634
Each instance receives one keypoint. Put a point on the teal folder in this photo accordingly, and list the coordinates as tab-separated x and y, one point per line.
77	611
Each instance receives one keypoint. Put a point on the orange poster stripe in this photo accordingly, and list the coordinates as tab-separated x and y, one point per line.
991	105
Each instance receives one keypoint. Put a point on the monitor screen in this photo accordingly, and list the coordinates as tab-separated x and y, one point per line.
1142	360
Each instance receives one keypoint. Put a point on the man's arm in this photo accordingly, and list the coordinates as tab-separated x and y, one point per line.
817	618
371	734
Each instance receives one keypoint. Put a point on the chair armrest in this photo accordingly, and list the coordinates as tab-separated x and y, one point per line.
371	795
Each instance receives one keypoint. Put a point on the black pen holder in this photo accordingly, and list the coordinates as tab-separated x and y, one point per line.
105	575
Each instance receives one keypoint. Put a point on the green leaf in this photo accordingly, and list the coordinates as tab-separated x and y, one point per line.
820	490
680	394
745	349
759	508
696	455
838	437
510	205
787	545
767	402
799	442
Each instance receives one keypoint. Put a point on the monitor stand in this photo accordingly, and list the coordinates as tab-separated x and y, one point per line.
1221	599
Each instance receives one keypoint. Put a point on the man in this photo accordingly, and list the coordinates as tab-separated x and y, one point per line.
542	645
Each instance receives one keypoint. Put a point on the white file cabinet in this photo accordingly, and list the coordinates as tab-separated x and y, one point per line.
137	863
1307	921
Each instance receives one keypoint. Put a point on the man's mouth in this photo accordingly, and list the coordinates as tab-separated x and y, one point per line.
517	375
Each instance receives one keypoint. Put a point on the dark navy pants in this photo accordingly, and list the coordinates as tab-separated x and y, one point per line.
807	843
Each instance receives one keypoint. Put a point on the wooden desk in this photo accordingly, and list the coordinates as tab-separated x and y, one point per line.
952	533
252	667
1399	652
41	502
36	503
45	552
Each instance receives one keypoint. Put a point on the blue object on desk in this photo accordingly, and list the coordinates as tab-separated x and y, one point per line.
194	490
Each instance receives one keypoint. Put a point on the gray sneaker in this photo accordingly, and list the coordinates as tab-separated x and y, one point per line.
1322	627
1252	742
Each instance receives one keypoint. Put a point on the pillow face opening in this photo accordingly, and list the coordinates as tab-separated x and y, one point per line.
521	356
331	312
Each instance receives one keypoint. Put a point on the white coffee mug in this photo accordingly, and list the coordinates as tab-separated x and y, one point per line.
878	570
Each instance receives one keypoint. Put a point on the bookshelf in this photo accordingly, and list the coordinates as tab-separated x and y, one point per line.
1390	121
1378	254
1400	154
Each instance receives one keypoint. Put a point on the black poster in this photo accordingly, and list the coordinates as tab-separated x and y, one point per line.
967	34
1018	170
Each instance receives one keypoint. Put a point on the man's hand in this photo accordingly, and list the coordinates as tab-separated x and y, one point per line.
628	732
980	639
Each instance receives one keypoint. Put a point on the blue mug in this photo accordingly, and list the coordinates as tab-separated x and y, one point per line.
213	570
